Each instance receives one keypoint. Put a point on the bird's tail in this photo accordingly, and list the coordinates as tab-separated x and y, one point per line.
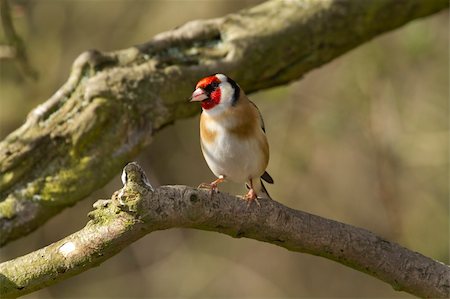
264	193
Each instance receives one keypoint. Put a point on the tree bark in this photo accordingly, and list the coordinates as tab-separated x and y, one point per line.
113	103
137	210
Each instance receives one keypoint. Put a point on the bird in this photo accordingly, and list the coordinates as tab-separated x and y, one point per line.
232	136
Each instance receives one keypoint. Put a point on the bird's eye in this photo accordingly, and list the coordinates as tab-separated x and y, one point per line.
211	87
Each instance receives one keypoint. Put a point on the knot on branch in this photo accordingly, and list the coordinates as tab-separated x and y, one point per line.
132	173
135	187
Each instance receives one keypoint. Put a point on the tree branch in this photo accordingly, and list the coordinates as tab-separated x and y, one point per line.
137	210
114	102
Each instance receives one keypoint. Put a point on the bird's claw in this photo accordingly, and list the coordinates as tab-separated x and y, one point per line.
249	202
213	186
251	197
204	186
209	186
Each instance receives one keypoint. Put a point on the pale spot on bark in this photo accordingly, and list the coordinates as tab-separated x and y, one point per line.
67	248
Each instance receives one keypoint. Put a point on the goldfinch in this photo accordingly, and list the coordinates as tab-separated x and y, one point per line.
232	136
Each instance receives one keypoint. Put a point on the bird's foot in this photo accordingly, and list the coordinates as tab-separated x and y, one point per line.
209	186
213	186
251	197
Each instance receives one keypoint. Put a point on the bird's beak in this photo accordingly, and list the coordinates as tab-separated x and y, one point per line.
198	95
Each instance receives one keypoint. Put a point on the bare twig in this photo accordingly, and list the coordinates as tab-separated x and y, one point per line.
137	210
20	53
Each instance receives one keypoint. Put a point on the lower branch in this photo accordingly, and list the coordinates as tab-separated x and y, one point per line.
137	210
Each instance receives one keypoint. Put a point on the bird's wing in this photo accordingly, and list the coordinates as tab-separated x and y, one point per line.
266	176
261	120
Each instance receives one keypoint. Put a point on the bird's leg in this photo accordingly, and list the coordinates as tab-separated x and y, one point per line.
251	195
213	186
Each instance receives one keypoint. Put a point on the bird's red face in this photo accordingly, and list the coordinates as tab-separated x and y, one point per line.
208	92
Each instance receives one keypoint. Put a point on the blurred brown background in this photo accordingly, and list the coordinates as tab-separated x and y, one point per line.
362	140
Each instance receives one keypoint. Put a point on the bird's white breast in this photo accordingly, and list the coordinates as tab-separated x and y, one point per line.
228	154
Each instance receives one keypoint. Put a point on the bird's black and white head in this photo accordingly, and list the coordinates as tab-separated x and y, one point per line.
216	93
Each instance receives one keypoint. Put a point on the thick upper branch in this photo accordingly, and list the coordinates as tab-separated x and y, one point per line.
113	103
137	210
